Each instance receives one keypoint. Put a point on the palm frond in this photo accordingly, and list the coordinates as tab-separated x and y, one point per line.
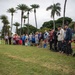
34	6
55	9
11	10
16	24
50	7
22	7
58	13
52	13
29	9
57	4
5	21
25	17
58	8
3	17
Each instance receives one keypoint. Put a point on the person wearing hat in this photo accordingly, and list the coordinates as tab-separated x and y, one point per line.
67	39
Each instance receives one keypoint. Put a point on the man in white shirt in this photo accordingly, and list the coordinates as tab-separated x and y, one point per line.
60	35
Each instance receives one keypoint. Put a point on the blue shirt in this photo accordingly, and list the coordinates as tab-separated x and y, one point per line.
68	35
23	38
33	38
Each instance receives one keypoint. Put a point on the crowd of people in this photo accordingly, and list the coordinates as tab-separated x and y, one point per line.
58	41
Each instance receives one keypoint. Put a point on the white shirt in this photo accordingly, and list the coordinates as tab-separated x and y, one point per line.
36	37
30	37
61	35
6	37
26	36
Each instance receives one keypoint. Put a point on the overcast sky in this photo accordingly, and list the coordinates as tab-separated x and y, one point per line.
42	14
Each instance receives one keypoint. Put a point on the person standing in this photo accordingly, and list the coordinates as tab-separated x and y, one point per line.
39	36
27	36
23	39
6	39
30	38
55	40
33	39
36	39
51	39
46	34
67	39
60	38
10	38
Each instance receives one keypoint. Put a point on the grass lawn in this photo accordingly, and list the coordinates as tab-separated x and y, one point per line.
21	60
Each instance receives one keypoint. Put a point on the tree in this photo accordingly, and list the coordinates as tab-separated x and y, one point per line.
5	23
67	20
48	24
23	8
55	9
12	11
7	31
35	6
58	22
64	12
43	29
16	24
72	25
3	17
32	29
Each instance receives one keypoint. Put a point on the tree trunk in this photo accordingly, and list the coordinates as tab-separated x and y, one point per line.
35	18
28	22
64	12
11	22
16	29
21	23
53	23
8	31
4	30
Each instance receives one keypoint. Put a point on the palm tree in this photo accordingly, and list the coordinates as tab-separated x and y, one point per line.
12	11
64	12
35	6
23	8
2	17
55	9
24	17
16	24
5	22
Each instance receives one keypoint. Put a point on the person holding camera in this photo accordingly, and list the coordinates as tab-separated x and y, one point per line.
60	35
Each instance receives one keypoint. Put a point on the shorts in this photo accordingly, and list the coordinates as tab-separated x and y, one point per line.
37	41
